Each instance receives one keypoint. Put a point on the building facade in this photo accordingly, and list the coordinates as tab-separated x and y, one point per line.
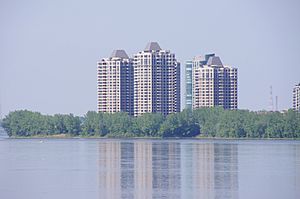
189	84
189	65
156	81
213	84
296	97
115	83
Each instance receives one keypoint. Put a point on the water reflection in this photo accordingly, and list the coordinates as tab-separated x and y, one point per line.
297	170
145	169
110	170
226	171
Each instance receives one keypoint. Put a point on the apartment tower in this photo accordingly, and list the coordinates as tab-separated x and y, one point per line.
213	84
189	85
115	83
296	97
156	81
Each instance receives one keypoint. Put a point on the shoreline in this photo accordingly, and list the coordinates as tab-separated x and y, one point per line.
66	136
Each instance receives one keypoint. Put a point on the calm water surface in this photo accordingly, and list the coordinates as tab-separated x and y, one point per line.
102	168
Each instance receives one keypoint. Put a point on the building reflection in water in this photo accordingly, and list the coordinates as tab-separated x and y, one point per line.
109	170
127	170
166	170
155	169
297	169
226	171
197	170
143	177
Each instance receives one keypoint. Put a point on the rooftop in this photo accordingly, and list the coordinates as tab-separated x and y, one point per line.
120	54
214	61
152	46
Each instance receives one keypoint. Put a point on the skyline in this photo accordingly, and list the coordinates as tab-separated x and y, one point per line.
146	83
50	49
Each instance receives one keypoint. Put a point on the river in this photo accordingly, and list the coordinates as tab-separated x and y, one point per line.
139	168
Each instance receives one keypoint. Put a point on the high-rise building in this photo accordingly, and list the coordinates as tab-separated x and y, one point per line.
189	65
115	83
156	81
296	97
213	84
189	84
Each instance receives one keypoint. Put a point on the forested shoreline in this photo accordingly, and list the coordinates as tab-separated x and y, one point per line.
204	122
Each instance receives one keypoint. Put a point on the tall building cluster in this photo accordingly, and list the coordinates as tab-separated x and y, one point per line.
296	97
149	82
209	83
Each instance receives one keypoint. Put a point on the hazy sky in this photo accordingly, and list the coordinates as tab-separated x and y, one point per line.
49	49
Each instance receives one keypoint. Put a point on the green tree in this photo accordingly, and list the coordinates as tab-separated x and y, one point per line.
147	124
90	124
180	125
119	124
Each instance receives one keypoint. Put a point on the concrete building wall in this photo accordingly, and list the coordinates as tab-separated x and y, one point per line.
150	82
156	81
115	83
189	84
213	84
296	98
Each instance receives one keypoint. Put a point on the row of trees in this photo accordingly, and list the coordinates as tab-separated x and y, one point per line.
27	123
205	122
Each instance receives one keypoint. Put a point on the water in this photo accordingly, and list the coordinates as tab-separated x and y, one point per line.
102	168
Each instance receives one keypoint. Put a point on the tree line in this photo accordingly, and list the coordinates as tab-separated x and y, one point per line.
203	122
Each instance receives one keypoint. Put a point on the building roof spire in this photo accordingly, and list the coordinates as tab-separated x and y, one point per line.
120	54
214	61
152	46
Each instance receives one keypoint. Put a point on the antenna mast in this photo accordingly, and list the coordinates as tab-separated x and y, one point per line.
271	99
276	102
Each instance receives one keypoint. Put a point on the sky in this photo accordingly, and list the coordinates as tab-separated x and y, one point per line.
49	49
